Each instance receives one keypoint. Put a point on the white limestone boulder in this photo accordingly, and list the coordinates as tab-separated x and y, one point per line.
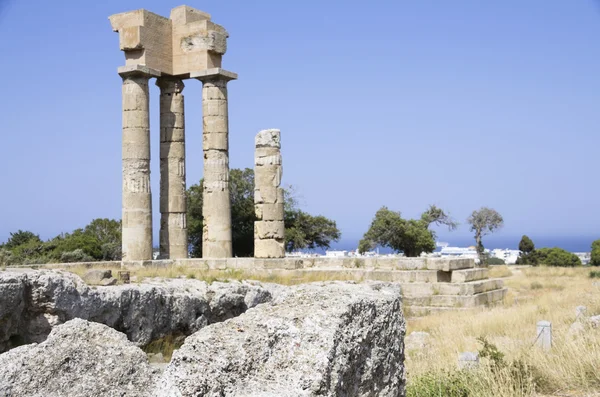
33	302
321	339
78	359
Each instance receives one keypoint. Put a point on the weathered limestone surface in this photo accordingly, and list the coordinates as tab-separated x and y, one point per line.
322	339
173	207
137	196
216	206
33	302
79	359
269	240
186	42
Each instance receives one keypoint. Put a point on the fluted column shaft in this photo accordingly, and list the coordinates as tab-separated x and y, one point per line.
137	196
269	229
216	205
173	226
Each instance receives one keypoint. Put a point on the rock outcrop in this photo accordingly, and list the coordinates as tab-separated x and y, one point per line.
323	339
33	302
78	359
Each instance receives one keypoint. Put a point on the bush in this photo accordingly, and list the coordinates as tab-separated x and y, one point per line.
594	273
555	257
447	384
536	285
77	255
495	261
595	258
6	258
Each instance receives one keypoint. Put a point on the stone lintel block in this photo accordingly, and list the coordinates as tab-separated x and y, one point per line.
185	14
269	229
407	263
268	195
466	275
137	70
215	141
269	212
469	288
268	248
213	74
140	17
449	264
268	138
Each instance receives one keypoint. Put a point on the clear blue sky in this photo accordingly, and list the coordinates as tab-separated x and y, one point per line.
458	103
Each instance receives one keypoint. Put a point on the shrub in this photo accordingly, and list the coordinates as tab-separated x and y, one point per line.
595	257
556	257
495	261
594	273
447	384
536	285
77	255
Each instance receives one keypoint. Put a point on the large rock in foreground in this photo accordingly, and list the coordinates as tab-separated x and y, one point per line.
79	359
32	302
332	339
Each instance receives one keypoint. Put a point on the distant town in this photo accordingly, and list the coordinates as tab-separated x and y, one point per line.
509	256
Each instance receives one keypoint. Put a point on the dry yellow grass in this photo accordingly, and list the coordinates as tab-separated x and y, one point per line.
270	276
571	368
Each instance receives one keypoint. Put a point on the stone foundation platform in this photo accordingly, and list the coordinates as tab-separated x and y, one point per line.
429	285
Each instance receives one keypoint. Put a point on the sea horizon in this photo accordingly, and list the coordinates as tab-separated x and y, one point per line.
568	243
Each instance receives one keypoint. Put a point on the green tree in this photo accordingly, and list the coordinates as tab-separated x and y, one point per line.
302	230
526	247
412	236
555	257
483	222
21	237
595	258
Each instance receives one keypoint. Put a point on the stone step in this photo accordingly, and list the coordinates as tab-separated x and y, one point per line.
469	288
417	290
466	275
481	299
420	311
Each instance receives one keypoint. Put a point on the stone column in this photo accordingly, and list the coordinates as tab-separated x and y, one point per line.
216	205
137	197
173	228
269	239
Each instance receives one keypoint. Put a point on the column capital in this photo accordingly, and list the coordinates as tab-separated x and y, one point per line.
137	71
214	74
170	85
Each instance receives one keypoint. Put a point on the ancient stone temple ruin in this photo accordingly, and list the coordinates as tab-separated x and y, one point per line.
188	45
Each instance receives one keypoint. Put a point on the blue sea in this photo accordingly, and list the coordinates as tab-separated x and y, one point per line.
570	243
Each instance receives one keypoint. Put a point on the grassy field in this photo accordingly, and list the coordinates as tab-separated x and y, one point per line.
511	364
